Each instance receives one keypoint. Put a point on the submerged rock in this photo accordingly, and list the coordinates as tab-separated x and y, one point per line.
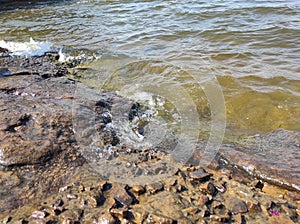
273	157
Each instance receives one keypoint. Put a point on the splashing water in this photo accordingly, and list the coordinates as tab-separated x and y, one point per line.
28	49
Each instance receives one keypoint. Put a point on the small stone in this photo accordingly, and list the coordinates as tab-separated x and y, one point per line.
6	220
203	199
209	188
71	196
253	206
220	187
238	218
257	184
154	187
199	176
120	213
154	218
93	201
57	204
105	219
190	210
39	215
220	218
236	205
121	196
138	189
216	204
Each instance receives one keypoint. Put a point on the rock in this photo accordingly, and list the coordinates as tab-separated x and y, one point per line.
257	184
220	218
105	219
46	66
273	157
154	187
138	189
120	213
199	176
203	199
120	195
39	215
236	205
155	218
253	205
208	188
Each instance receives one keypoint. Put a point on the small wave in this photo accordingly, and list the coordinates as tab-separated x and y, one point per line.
28	49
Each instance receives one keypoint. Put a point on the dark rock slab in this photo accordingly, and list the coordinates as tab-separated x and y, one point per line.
45	66
273	157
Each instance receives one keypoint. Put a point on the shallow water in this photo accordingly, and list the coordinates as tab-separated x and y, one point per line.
250	47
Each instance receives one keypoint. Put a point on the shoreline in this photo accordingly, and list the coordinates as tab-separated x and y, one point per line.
36	101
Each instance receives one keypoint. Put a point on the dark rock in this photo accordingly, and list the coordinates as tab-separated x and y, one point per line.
273	157
44	66
121	196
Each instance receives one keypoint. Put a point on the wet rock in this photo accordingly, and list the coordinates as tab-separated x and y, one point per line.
45	66
236	205
273	157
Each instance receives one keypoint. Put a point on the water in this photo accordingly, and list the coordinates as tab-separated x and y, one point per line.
250	47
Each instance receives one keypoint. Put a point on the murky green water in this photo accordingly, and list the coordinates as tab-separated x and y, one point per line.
251	47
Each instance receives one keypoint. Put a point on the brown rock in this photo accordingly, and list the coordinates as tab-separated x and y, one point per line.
253	205
105	218
120	213
203	199
154	187
138	189
199	176
208	188
120	195
220	218
155	218
236	205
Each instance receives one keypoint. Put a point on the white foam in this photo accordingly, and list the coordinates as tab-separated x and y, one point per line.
28	49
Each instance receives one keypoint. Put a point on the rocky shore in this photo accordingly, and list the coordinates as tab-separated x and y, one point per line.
45	178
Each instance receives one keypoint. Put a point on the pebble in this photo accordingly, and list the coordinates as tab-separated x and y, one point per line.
154	187
199	176
38	214
236	205
138	189
120	195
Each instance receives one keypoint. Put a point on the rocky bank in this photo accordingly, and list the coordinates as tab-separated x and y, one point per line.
45	178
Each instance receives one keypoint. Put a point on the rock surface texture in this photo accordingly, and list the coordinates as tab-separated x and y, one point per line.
45	179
